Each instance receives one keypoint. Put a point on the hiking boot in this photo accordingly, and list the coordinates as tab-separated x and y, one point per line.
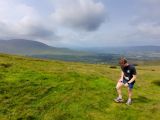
129	102
118	100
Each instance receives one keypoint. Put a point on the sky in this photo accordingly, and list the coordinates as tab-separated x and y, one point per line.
82	23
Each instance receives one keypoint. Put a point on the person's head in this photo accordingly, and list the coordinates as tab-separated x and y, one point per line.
123	62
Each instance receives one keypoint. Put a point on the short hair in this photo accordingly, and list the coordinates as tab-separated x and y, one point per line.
122	60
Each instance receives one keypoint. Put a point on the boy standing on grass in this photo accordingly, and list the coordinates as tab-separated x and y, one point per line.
127	79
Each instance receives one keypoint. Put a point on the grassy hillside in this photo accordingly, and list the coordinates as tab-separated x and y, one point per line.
35	89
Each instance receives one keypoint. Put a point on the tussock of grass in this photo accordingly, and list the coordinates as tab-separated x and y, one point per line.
34	89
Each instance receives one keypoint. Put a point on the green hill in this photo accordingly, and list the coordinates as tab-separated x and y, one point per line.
36	89
31	48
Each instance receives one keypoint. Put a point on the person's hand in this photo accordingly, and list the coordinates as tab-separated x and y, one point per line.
120	80
126	84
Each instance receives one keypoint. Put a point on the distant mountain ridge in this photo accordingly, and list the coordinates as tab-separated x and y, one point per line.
125	49
30	47
26	43
149	52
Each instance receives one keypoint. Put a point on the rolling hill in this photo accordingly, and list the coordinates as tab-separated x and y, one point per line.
30	47
36	89
41	50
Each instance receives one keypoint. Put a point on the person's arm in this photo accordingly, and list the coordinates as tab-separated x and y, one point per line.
121	78
133	78
134	75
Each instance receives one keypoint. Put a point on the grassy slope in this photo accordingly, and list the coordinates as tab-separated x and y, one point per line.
54	90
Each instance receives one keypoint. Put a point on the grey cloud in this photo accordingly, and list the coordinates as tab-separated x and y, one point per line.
91	22
146	24
149	30
84	15
20	20
143	34
147	11
2	28
34	31
39	31
151	1
5	31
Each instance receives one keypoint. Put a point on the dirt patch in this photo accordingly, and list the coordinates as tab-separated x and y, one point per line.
6	65
156	82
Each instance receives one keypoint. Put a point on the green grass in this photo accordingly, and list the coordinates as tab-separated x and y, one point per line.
35	89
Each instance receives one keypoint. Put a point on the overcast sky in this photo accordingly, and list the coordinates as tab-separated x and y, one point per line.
77	23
